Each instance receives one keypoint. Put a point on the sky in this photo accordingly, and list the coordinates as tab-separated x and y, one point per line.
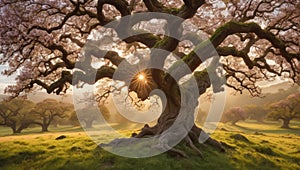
4	80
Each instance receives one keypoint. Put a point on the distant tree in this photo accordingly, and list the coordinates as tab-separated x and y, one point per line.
201	117
66	120
88	115
73	119
16	114
256	112
286	110
48	110
234	115
104	111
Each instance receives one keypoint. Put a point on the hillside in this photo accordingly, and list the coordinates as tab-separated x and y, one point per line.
39	96
265	150
270	94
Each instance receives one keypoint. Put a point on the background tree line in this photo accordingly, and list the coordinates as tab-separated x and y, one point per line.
20	113
285	110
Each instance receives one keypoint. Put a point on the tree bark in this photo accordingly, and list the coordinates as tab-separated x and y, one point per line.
167	119
285	123
179	107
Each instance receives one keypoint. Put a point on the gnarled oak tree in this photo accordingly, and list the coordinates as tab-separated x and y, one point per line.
256	40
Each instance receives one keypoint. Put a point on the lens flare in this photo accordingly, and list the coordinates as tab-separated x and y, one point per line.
141	77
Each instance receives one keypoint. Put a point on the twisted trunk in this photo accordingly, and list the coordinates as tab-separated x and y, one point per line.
176	123
172	115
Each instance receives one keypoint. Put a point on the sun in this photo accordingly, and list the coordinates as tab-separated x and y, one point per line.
141	77
141	84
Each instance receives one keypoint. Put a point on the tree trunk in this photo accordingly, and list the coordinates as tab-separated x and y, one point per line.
22	126
179	110
285	123
170	115
19	130
45	125
44	128
88	123
14	129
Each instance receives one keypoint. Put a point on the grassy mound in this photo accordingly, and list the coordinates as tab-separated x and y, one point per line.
264	150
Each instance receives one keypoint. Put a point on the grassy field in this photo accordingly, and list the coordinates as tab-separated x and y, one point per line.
266	147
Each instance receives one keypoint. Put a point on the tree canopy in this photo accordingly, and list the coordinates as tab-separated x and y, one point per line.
255	39
16	114
286	109
49	109
234	115
20	113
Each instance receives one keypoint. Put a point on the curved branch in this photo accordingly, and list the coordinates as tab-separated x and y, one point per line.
153	5
93	50
58	85
121	5
230	28
236	27
76	11
189	8
148	39
67	77
226	51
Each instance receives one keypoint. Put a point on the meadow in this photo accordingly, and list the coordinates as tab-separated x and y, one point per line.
249	145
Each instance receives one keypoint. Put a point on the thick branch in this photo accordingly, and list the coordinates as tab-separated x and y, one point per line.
76	11
148	39
193	61
190	8
67	77
121	5
236	27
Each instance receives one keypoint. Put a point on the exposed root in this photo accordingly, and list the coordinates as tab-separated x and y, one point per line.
178	152
210	141
215	144
193	136
191	139
145	131
191	144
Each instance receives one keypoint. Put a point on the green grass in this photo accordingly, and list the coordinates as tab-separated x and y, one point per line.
270	148
271	127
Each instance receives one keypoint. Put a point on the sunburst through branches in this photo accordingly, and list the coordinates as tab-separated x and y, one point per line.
141	84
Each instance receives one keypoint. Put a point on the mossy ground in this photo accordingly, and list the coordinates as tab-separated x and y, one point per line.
268	147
